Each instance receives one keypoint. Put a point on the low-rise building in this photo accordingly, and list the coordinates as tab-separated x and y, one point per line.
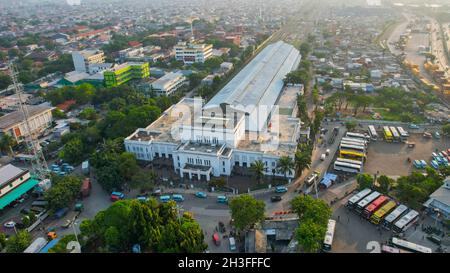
439	202
190	53
169	83
13	124
126	72
83	59
14	182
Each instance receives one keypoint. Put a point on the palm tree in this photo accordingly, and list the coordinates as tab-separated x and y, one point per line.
302	160
258	169
285	164
6	143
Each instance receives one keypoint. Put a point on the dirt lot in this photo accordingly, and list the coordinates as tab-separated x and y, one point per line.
391	158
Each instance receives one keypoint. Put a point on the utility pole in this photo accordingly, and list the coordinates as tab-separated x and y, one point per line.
38	162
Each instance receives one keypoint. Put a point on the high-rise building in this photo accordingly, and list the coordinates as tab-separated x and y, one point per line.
190	53
125	72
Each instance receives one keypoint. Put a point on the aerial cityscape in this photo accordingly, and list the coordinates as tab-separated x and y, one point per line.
207	126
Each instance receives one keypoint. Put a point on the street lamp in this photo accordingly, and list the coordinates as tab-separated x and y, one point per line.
75	231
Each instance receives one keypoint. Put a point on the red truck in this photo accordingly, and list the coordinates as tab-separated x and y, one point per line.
86	187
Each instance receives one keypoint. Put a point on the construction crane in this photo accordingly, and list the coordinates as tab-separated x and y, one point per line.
38	162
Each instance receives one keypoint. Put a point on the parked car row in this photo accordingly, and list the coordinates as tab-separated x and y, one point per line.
61	169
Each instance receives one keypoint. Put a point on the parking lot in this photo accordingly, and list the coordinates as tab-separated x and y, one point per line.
391	158
353	233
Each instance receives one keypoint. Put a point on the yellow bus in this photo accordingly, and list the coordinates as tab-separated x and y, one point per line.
387	134
382	212
352	151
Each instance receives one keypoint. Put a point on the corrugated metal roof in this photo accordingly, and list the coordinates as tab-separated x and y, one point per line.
261	81
8	172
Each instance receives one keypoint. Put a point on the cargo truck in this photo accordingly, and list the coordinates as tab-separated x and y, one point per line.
86	188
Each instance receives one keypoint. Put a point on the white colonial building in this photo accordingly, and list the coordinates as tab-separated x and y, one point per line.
252	118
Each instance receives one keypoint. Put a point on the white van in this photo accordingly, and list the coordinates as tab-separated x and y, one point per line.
323	156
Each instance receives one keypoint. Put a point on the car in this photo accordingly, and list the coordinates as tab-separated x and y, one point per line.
25	211
323	156
327	152
66	224
10	224
200	194
222	199
281	189
437	135
164	198
413	126
426	135
275	198
444	153
142	198
115	196
177	197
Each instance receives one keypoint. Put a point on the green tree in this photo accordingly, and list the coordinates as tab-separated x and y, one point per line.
258	169
310	235
19	242
5	81
350	125
446	129
88	113
302	160
73	151
364	181
6	143
63	191
143	180
313	220
2	241
285	165
61	246
385	183
58	114
246	211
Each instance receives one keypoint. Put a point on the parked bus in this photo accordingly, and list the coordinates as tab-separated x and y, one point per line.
358	135
382	212
403	134
352	151
406	221
373	133
408	246
328	241
374	205
358	197
366	201
393	216
387	134
351	161
350	142
390	249
347	167
357	140
395	134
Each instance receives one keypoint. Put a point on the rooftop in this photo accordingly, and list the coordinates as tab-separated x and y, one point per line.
17	117
9	172
168	78
261	81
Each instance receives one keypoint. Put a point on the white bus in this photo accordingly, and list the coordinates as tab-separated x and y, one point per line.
348	142
328	241
358	135
395	134
394	215
403	134
410	246
366	201
373	133
357	140
347	167
406	221
351	161
357	197
36	245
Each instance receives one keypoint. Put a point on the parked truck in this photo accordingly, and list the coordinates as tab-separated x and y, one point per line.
60	213
85	167
86	188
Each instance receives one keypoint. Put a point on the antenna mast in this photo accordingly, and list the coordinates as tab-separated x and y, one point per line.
38	162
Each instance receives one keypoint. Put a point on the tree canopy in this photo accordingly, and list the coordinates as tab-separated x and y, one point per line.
155	227
246	211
